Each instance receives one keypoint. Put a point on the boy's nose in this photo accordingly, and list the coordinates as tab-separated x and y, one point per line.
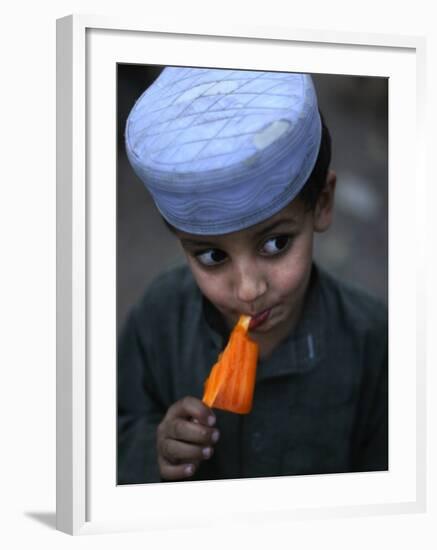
250	285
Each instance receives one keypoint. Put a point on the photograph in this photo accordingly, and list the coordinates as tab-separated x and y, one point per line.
219	246
251	273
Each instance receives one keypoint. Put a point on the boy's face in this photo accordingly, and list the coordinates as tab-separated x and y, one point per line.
262	271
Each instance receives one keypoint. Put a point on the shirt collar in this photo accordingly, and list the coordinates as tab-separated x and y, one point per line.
301	351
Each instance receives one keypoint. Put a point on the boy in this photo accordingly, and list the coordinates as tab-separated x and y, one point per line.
237	163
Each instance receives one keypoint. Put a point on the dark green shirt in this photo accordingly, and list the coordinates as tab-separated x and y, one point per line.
321	398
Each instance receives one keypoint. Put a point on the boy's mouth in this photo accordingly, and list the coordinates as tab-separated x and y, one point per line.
259	319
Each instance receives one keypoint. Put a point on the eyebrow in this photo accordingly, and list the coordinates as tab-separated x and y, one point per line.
257	234
193	242
275	225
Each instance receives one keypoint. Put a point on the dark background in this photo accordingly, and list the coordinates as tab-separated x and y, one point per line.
356	246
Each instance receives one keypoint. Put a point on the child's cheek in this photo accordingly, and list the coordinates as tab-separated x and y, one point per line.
292	276
211	286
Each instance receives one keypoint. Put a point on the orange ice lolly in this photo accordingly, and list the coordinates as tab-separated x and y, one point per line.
231	382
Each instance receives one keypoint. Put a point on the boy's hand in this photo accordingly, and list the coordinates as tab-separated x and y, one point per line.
185	437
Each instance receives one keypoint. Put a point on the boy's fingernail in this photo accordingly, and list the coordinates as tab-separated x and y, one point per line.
215	436
207	452
189	470
211	420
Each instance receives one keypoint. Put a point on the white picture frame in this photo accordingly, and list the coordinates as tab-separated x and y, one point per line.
88	500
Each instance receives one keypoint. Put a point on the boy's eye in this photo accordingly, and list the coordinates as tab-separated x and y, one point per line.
211	257
275	245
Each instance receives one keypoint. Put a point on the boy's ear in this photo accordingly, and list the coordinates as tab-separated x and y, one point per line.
325	204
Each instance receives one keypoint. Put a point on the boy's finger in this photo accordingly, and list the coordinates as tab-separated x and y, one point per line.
178	451
171	472
190	407
191	432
